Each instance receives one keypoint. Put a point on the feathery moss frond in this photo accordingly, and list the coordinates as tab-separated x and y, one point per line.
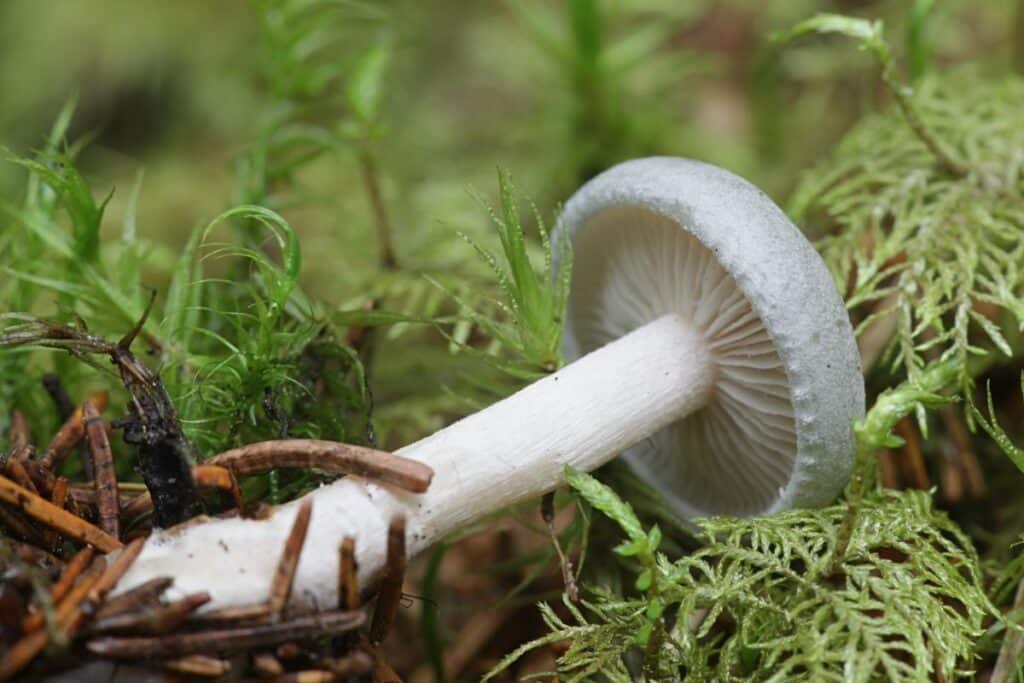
937	253
761	602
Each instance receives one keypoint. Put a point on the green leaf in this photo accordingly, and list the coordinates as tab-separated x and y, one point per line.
605	499
366	84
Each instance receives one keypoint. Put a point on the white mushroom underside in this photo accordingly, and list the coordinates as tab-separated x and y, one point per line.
734	455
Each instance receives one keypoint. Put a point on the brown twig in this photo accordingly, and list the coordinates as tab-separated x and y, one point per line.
53	516
153	619
547	512
307	676
355	663
219	477
58	496
348	580
1009	653
330	456
117	569
284	575
266	664
228	640
963	452
391	582
104	475
20	435
75	566
232	616
198	665
70	433
16	472
913	460
143	595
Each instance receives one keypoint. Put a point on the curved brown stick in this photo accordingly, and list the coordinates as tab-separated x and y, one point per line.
330	456
105	478
53	516
72	431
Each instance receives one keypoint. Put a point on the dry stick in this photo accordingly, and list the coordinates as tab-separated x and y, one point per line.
53	516
348	580
330	456
355	663
391	582
19	435
284	575
75	566
43	478
890	473
104	475
267	665
547	512
228	640
16	471
227	616
198	665
20	526
964	453
58	496
69	618
219	477
1009	653
153	619
912	457
307	676
70	433
143	595
65	408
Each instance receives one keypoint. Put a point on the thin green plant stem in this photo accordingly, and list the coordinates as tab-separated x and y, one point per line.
371	183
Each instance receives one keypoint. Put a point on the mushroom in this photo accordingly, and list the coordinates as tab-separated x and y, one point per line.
710	346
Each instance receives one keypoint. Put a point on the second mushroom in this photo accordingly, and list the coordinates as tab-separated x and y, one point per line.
710	345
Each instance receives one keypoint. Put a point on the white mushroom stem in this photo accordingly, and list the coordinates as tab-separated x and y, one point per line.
515	450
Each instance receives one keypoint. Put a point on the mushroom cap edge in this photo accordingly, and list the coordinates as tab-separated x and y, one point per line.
786	283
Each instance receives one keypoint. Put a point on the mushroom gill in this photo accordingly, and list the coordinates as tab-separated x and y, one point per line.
735	454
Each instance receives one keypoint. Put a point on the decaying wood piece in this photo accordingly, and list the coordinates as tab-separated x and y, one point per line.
348	578
284	577
391	581
143	595
75	566
20	435
153	619
49	514
104	476
228	640
72	431
219	477
198	665
330	456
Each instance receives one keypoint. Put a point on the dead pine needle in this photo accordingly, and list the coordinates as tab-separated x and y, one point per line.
284	575
49	514
198	665
104	476
391	583
238	639
330	456
219	477
348	580
19	435
144	595
153	619
74	568
71	432
547	512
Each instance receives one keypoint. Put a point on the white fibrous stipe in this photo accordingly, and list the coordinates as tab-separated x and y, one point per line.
733	455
